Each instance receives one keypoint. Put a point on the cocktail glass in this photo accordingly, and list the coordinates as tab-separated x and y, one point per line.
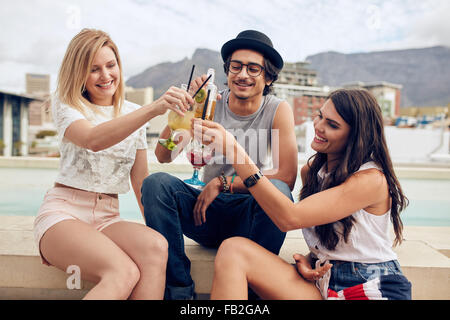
199	155
177	123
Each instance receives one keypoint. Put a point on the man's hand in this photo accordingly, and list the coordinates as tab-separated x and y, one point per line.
205	198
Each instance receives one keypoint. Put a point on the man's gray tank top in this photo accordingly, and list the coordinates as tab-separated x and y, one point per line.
253	132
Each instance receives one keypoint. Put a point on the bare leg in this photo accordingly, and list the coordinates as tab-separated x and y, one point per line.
241	262
73	242
149	251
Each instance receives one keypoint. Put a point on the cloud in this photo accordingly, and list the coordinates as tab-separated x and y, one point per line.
434	27
34	35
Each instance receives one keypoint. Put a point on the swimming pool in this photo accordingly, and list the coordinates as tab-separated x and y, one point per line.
22	191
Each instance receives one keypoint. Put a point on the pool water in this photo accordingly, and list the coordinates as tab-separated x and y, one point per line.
22	191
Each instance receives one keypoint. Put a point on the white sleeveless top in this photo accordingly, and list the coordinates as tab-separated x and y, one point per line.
105	171
369	239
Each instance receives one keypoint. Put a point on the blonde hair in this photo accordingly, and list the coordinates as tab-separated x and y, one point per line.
76	66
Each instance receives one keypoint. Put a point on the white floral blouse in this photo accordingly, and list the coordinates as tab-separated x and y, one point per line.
105	171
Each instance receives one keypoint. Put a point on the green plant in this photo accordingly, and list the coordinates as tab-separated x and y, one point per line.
2	146
43	133
17	146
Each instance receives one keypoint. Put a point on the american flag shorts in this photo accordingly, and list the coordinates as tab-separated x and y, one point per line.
363	281
385	287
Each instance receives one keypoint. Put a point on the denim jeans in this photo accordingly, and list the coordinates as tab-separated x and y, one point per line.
168	207
394	284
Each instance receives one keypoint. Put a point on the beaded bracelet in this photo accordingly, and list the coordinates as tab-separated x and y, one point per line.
231	184
225	186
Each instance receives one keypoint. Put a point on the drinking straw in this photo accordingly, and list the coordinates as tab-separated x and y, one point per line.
201	86
205	106
190	78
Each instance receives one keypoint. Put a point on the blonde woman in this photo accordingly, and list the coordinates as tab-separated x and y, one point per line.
103	145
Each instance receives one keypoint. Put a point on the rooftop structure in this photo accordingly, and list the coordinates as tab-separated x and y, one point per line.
38	84
387	94
14	115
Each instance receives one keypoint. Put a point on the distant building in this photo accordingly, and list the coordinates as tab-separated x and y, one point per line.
424	116
40	113
298	73
425	111
38	84
306	106
14	120
298	85
144	96
40	116
387	95
294	80
140	96
40	119
289	92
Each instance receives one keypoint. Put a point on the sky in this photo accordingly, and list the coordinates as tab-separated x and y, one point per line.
34	34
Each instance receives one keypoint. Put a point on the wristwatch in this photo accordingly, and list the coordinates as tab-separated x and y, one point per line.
253	179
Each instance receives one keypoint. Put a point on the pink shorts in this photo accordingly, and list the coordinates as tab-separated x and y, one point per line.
96	209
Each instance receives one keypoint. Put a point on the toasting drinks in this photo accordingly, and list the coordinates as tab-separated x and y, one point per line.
201	97
205	104
176	123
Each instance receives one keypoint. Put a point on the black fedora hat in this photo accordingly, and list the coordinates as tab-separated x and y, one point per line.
254	40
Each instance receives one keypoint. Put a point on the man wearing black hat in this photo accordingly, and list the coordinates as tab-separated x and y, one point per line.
224	208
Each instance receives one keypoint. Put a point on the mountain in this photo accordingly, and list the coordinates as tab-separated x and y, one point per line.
164	75
423	73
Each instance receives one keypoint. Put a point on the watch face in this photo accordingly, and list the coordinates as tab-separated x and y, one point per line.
250	182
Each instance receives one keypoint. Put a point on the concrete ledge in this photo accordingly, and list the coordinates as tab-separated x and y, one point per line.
29	162
22	276
403	170
53	163
422	173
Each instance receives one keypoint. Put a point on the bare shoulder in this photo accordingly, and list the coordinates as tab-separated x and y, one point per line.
284	117
373	182
370	181
370	175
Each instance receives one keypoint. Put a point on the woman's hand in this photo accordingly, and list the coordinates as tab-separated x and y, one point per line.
175	99
213	135
204	199
304	268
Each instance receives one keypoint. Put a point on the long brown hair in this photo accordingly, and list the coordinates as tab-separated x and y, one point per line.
75	68
366	142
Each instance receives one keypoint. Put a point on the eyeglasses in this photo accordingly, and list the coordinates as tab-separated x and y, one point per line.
253	69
